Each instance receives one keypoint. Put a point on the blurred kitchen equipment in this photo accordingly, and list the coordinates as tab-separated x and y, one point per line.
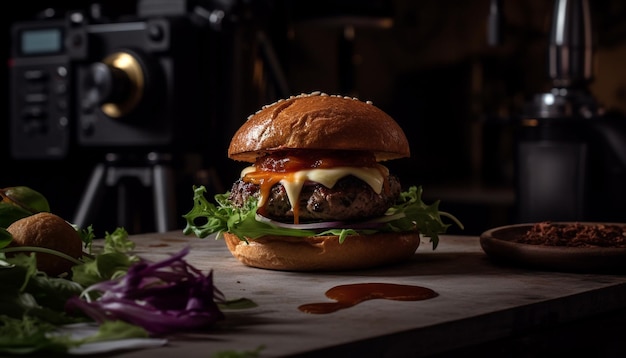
570	155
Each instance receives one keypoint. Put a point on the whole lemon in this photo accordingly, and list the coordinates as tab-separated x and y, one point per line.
50	231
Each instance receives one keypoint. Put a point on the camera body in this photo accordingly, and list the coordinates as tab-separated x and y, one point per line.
145	82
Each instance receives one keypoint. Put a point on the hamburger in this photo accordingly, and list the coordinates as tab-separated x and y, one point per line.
315	196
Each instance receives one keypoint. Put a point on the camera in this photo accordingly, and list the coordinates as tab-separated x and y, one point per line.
148	81
166	83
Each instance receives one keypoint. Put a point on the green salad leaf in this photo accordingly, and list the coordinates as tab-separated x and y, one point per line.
116	329
112	262
34	314
240	353
32	304
27	335
5	237
408	213
224	217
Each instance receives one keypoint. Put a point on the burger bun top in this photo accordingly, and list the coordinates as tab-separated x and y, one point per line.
318	121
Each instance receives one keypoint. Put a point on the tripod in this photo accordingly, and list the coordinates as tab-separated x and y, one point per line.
154	171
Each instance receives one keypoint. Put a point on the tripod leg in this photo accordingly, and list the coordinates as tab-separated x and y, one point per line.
164	199
123	211
91	197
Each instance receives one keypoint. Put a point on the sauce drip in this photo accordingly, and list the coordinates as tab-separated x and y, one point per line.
349	295
294	160
277	166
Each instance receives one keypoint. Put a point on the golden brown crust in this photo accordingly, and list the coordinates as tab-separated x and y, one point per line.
52	232
319	121
323	253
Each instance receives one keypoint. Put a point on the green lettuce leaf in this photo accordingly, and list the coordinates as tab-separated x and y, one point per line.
27	335
409	213
111	262
5	237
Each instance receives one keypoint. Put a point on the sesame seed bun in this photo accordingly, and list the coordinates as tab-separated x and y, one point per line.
319	121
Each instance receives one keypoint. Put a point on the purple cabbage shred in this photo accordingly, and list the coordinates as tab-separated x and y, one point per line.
162	297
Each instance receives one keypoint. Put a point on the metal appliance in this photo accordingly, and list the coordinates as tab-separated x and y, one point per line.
570	155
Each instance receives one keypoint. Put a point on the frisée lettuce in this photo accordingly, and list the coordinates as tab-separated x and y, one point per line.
408	213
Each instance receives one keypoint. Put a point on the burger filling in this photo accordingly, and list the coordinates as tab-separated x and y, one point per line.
303	186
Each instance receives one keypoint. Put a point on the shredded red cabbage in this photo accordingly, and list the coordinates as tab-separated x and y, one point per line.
161	297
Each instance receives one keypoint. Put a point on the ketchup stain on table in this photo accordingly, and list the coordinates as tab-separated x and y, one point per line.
346	296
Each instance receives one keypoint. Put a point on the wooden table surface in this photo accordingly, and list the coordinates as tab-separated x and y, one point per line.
478	302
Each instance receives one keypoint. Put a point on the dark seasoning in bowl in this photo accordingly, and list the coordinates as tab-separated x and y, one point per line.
575	235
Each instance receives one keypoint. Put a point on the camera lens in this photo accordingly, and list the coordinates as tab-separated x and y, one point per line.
116	85
109	84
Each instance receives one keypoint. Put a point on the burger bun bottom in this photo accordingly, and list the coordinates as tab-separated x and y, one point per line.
323	253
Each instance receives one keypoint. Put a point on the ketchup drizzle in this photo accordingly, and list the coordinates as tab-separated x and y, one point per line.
346	296
278	165
294	160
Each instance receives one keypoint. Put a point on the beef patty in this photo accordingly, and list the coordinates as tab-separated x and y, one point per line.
349	199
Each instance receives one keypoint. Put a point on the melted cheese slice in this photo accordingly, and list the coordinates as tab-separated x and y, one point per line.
294	181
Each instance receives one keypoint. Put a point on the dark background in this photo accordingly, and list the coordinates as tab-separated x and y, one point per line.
427	63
